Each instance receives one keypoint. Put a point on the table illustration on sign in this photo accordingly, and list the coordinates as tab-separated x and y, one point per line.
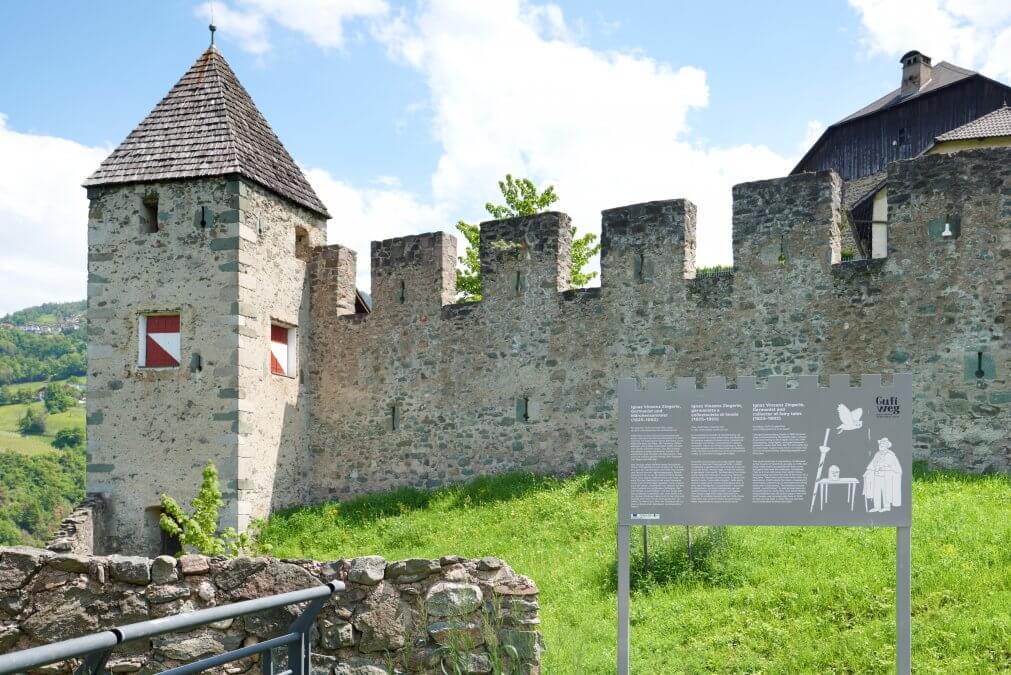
820	491
883	479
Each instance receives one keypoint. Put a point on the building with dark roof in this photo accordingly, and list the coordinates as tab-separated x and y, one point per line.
930	101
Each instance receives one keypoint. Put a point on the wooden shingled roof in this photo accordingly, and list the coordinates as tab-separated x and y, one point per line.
207	125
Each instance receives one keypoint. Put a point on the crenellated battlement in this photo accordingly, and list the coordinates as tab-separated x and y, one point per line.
424	391
778	223
525	257
413	274
640	242
782	220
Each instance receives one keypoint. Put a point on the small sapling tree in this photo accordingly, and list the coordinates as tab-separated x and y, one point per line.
199	529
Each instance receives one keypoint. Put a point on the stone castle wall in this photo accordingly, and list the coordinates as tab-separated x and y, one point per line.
423	392
411	616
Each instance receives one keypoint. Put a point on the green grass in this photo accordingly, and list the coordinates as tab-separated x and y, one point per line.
11	439
754	600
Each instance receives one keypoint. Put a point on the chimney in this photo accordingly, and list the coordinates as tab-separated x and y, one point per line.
916	72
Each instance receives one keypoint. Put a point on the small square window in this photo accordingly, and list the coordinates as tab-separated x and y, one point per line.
159	341
282	350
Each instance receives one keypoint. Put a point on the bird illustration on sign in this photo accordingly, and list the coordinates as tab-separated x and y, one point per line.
849	419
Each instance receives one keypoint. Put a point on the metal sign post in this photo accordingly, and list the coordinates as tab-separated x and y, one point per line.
810	455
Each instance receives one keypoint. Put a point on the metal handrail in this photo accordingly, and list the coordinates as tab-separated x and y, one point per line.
97	647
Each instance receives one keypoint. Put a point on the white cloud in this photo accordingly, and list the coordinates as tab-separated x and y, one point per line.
968	33
815	128
361	215
322	21
513	91
43	218
249	29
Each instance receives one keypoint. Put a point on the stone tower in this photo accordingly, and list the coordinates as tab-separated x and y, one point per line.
199	231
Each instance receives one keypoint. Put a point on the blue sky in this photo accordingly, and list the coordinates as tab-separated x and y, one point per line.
403	114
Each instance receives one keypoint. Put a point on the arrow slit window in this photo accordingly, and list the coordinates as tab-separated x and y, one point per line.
159	341
282	350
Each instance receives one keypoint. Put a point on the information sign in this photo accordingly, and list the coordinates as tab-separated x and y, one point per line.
810	455
775	455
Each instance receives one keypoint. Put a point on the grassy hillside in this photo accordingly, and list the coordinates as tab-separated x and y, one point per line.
39	485
768	600
26	357
10	439
36	492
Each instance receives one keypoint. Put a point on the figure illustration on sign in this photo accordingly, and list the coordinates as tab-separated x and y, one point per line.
849	419
821	485
883	479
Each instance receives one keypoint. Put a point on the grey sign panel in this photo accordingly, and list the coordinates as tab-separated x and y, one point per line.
810	455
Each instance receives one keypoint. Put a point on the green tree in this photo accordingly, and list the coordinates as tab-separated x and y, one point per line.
69	438
59	397
199	530
521	199
33	422
468	277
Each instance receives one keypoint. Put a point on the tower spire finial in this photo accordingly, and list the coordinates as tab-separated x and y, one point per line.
212	27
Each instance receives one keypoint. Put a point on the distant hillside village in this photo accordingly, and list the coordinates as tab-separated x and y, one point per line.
51	318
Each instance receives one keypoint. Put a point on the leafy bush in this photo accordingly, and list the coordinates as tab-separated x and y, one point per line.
33	422
848	254
199	529
69	438
59	397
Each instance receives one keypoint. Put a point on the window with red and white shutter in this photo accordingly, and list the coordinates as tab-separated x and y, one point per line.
282	350
159	341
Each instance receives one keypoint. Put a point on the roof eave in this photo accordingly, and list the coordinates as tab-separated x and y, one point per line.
91	182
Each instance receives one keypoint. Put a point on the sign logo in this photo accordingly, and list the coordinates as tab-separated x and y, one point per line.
888	406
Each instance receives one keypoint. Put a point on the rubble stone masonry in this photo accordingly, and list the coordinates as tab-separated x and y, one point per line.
410	616
422	392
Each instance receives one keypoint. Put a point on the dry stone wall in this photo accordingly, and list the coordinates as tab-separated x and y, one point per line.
409	616
79	532
421	392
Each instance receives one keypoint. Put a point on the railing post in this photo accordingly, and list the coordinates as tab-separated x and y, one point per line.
94	663
267	662
300	651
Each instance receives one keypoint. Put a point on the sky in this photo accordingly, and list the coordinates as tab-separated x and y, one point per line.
403	115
